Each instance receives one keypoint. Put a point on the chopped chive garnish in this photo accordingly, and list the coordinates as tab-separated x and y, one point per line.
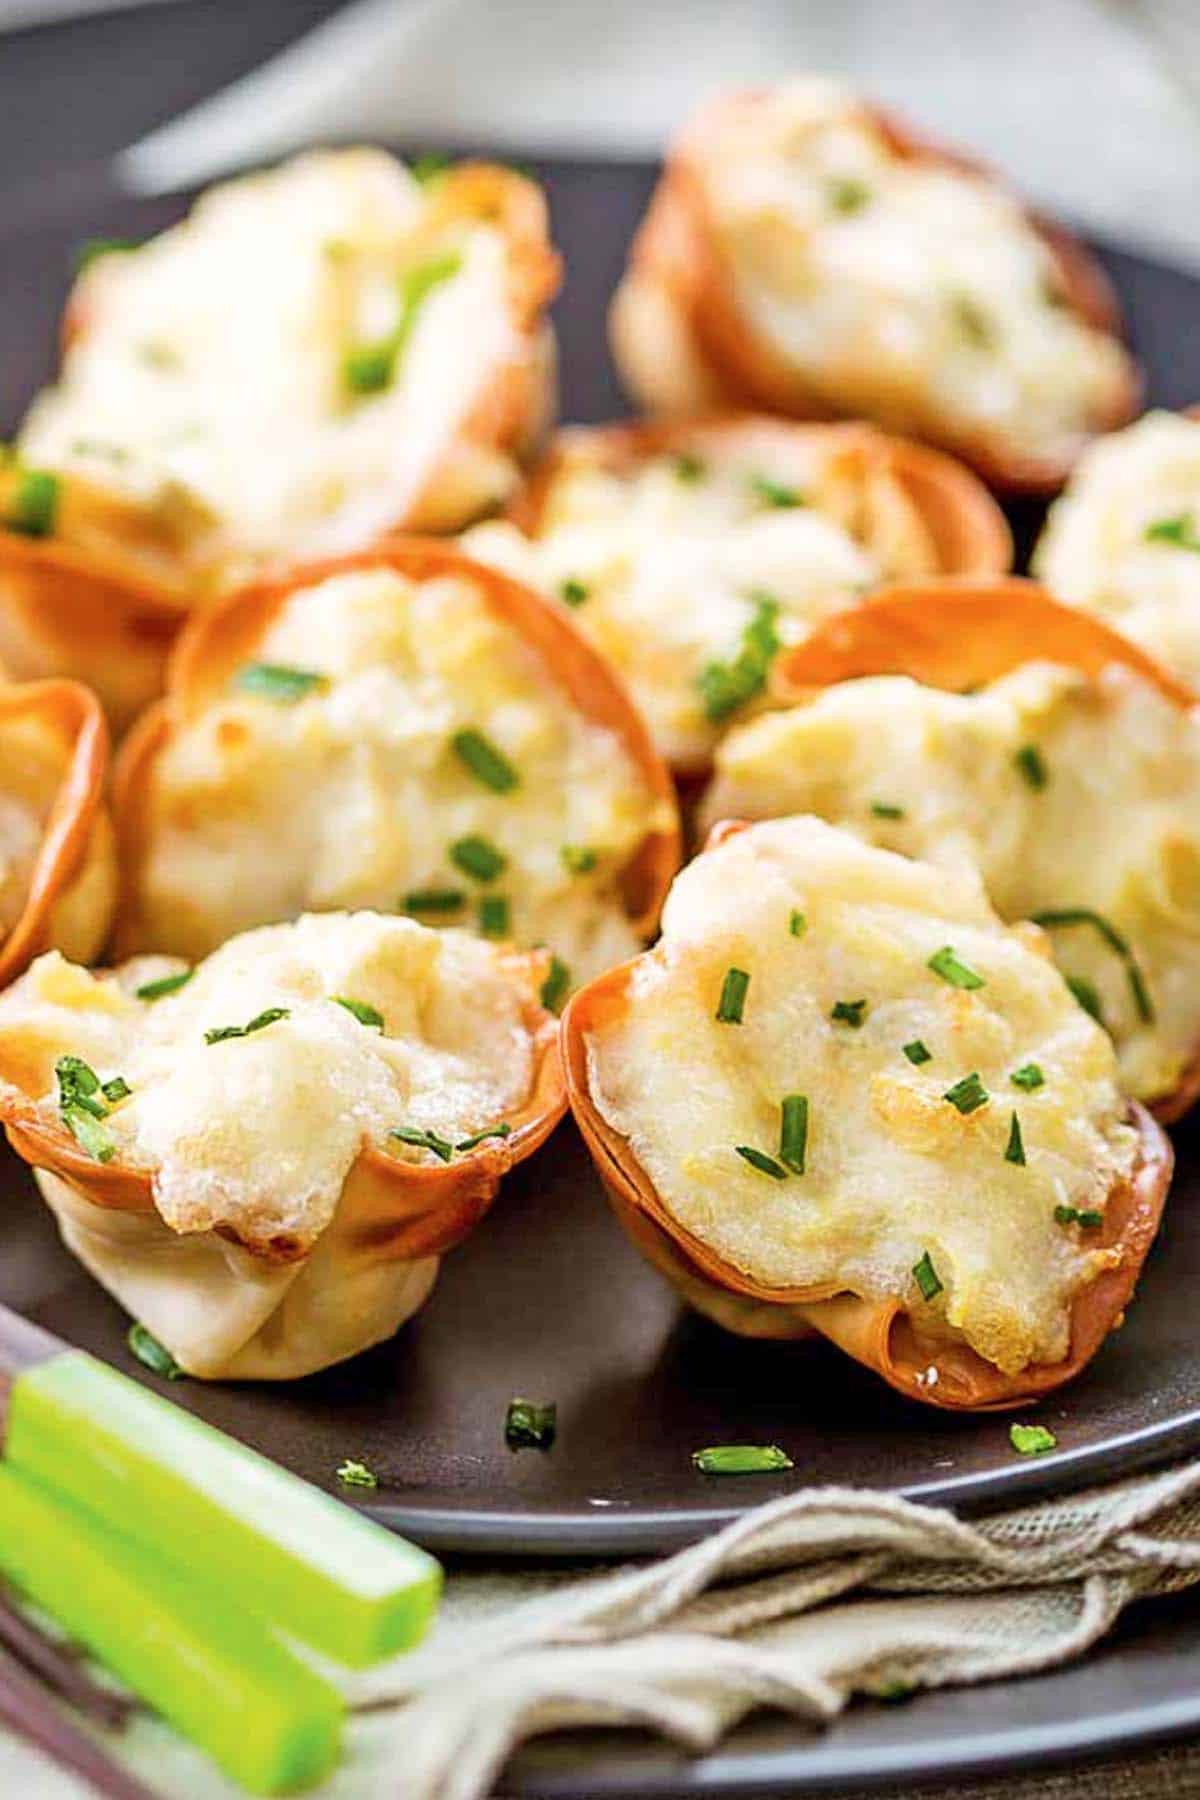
926	1277
89	1133
530	1424
153	1355
92	248
116	1090
1031	1440
494	916
363	1011
578	859
271	1016
797	924
1028	1076
368	368
1085	1216
1180	531
502	1130
972	321
775	493
434	900
1087	995
886	809
166	984
847	194
943	962
573	592
732	1003
424	1140
1032	766
850	1012
357	1474
428	166
485	762
33	503
1015	1151
688	467
967	1095
1084	915
279	682
741	1459
725	686
554	988
917	1053
478	857
758	1159
793	1132
82	1108
78	1085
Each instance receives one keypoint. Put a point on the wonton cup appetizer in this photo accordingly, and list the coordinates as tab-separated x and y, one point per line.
403	730
58	861
265	1157
1062	763
689	553
1123	542
806	254
839	1095
316	356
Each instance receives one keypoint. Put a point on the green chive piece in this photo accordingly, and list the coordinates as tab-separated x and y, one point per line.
926	1277
1031	1440
793	1132
33	503
967	1095
1085	1216
357	1474
278	682
478	857
502	1130
578	859
78	1083
847	194
1015	1152
428	166
166	984
116	1090
850	1012
972	321
80	1108
363	1011
485	762
917	1053
742	1459
688	467
726	686
530	1424
434	900
732	1003
151	1354
1031	764
1087	995
1180	531
797	924
758	1159
494	916
554	988
885	809
93	248
775	493
369	368
1116	941
573	592
1029	1076
271	1016
943	962
89	1134
424	1140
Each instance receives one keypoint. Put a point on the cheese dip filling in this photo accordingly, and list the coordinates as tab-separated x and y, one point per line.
1077	800
898	1098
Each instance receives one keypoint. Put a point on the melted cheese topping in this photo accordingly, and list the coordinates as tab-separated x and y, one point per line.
1115	828
33	762
203	397
666	565
1124	540
354	795
893	1171
913	292
258	1133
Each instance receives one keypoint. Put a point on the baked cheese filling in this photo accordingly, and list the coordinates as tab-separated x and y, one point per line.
249	1084
844	1074
917	293
281	373
1078	802
394	745
33	762
691	568
1124	539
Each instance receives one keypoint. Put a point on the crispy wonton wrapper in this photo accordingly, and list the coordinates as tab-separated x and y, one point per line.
881	1334
104	596
274	1309
684	346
